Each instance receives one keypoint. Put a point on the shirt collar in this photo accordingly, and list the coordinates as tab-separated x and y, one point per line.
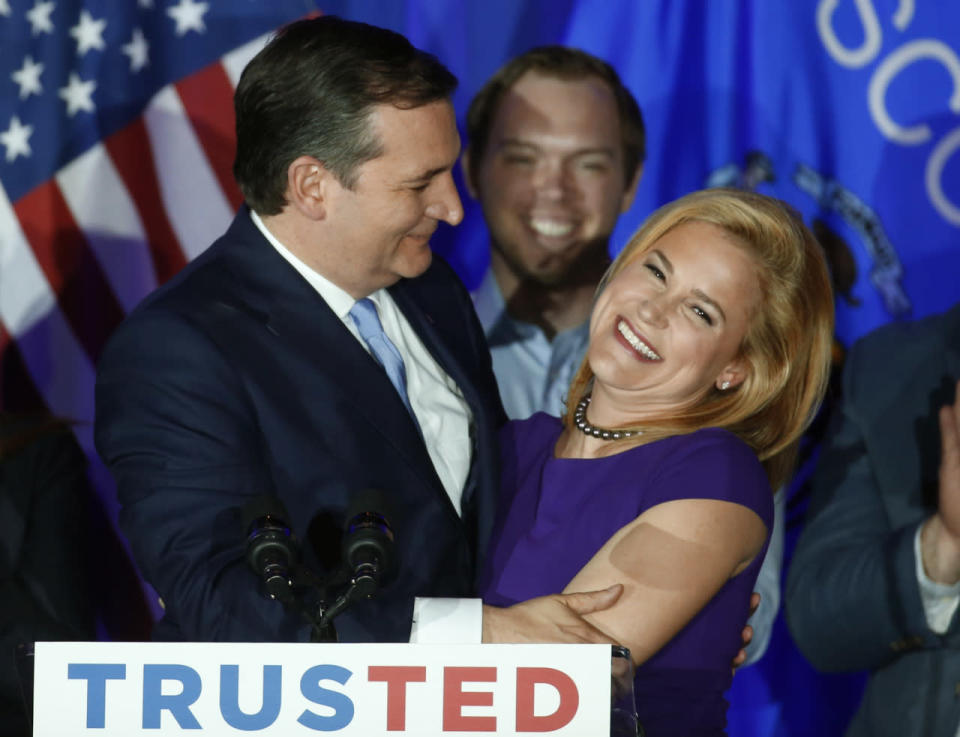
337	299
499	327
488	302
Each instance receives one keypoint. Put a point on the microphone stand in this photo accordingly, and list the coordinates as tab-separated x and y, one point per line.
361	585
272	553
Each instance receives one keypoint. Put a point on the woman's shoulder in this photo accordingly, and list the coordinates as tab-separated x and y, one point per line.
713	463
539	424
712	439
706	445
524	438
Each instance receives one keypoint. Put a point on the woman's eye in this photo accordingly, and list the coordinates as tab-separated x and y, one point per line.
702	314
656	272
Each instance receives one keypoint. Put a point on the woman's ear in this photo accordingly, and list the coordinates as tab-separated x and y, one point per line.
733	375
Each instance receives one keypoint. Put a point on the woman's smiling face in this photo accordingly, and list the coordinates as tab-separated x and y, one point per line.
669	326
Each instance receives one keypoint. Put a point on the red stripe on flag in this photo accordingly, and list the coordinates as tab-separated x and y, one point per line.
208	99
132	156
18	393
85	296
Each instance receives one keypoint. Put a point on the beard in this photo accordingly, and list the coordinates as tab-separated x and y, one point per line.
560	272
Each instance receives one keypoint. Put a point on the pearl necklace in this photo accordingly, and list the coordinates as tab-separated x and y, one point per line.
580	420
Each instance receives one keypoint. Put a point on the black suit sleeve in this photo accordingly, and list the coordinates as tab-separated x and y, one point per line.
852	597
185	449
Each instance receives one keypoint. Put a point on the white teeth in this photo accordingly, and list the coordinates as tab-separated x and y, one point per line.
551	228
635	342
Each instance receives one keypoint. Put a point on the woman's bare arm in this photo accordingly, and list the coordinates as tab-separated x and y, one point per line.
671	561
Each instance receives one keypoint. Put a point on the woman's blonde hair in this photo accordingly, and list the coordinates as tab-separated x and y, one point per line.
788	342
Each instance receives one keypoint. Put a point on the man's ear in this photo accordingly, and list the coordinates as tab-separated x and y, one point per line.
465	164
308	185
733	375
630	192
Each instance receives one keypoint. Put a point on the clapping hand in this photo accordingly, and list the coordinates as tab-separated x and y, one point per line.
746	634
940	538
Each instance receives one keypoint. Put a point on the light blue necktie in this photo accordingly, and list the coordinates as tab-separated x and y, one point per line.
365	317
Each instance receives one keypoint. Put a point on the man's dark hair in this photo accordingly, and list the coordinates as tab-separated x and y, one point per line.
558	62
310	92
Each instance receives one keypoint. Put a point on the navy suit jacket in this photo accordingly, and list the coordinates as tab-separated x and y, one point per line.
236	380
853	600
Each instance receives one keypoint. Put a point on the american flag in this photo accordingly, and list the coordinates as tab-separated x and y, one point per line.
116	148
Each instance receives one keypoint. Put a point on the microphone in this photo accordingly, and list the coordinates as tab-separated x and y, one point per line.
368	543
271	547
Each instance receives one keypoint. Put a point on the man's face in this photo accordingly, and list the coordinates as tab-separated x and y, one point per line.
382	227
551	182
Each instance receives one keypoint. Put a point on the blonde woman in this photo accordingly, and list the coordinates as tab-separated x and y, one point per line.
709	355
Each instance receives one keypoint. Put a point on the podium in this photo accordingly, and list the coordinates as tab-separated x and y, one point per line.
118	689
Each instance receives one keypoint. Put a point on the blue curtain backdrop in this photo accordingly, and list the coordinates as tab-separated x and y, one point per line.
848	109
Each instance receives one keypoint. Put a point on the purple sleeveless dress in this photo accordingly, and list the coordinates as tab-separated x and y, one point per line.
555	513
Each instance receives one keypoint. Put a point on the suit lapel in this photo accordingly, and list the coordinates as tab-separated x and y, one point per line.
425	325
298	316
419	313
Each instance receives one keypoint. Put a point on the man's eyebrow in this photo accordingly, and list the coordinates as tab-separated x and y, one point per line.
427	175
594	150
610	151
516	142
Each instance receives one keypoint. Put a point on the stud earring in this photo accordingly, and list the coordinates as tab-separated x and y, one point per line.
724	386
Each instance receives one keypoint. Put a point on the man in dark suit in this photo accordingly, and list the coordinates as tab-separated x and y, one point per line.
316	350
875	579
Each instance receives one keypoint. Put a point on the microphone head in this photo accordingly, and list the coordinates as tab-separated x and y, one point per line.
271	549
261	507
368	500
368	541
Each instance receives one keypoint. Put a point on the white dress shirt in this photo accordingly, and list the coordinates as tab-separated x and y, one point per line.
940	600
437	401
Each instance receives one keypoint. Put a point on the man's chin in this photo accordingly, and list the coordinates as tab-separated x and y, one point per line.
416	265
555	272
552	280
570	267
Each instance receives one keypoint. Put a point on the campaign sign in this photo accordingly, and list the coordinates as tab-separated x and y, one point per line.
119	689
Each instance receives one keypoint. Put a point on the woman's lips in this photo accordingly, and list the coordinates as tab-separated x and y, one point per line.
627	335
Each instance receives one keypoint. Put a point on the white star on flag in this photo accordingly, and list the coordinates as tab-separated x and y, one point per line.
39	17
4	7
78	95
137	51
28	77
17	139
189	16
148	4
88	33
